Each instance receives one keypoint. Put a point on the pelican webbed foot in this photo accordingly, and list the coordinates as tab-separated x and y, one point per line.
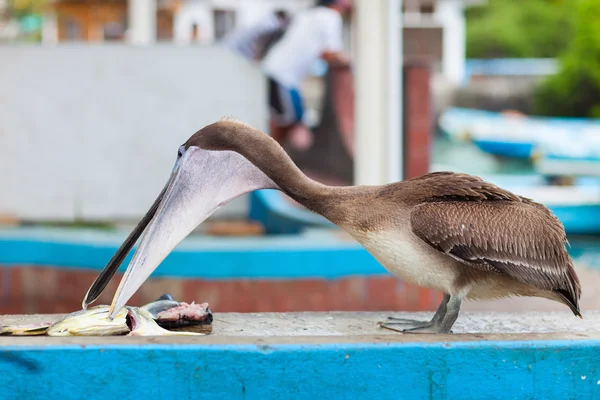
430	329
402	325
442	321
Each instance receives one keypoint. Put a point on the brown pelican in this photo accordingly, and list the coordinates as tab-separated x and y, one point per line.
447	231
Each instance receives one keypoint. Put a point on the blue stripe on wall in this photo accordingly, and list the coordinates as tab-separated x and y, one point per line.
464	370
318	256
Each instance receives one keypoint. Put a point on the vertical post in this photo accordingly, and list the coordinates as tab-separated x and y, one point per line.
378	108
394	95
451	16
50	28
418	121
142	21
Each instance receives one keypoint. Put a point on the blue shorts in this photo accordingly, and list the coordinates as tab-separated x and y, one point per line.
285	104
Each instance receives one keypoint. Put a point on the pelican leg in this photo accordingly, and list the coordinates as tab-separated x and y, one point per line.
442	325
393	323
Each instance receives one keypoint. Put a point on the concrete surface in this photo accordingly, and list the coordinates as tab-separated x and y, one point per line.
335	327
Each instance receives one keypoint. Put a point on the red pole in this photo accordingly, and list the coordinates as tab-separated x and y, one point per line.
418	120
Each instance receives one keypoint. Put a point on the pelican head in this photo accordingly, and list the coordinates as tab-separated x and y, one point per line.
211	169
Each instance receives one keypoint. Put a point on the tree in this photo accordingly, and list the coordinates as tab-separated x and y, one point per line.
575	90
21	8
518	28
29	15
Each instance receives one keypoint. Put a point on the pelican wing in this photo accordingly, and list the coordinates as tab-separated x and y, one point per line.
515	237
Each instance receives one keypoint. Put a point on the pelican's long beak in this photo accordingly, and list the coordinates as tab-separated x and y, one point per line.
201	182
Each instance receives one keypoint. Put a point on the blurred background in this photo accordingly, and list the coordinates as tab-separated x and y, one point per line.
96	96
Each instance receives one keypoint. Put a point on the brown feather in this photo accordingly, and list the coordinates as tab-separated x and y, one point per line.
493	230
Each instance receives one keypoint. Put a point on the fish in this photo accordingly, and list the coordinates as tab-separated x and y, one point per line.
132	321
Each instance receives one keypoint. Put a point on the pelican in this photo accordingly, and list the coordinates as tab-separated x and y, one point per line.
450	232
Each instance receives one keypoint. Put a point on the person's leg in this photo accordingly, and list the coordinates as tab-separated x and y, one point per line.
299	135
287	113
278	132
277	111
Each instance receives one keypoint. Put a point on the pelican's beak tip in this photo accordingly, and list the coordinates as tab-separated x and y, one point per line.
111	312
85	303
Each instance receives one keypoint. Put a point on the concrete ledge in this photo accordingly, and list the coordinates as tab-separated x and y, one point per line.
316	355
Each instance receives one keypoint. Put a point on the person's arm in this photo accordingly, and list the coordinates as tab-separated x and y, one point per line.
335	58
333	37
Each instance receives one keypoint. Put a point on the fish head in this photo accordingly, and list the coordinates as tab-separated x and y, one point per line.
142	323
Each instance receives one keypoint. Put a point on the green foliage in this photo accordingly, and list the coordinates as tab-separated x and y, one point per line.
575	90
518	28
29	15
21	8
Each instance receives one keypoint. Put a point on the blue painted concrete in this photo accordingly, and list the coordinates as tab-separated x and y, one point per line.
464	370
278	216
320	255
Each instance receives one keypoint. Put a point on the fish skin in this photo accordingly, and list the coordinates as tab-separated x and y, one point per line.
165	296
90	322
159	306
25	330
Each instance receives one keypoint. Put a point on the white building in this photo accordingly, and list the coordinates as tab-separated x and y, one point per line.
213	18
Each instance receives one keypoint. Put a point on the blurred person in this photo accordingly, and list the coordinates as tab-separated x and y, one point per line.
313	33
254	40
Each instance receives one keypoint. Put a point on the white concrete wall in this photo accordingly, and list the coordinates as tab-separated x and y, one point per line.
92	132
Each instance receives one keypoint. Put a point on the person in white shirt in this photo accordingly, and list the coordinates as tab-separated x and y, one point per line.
313	33
252	41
